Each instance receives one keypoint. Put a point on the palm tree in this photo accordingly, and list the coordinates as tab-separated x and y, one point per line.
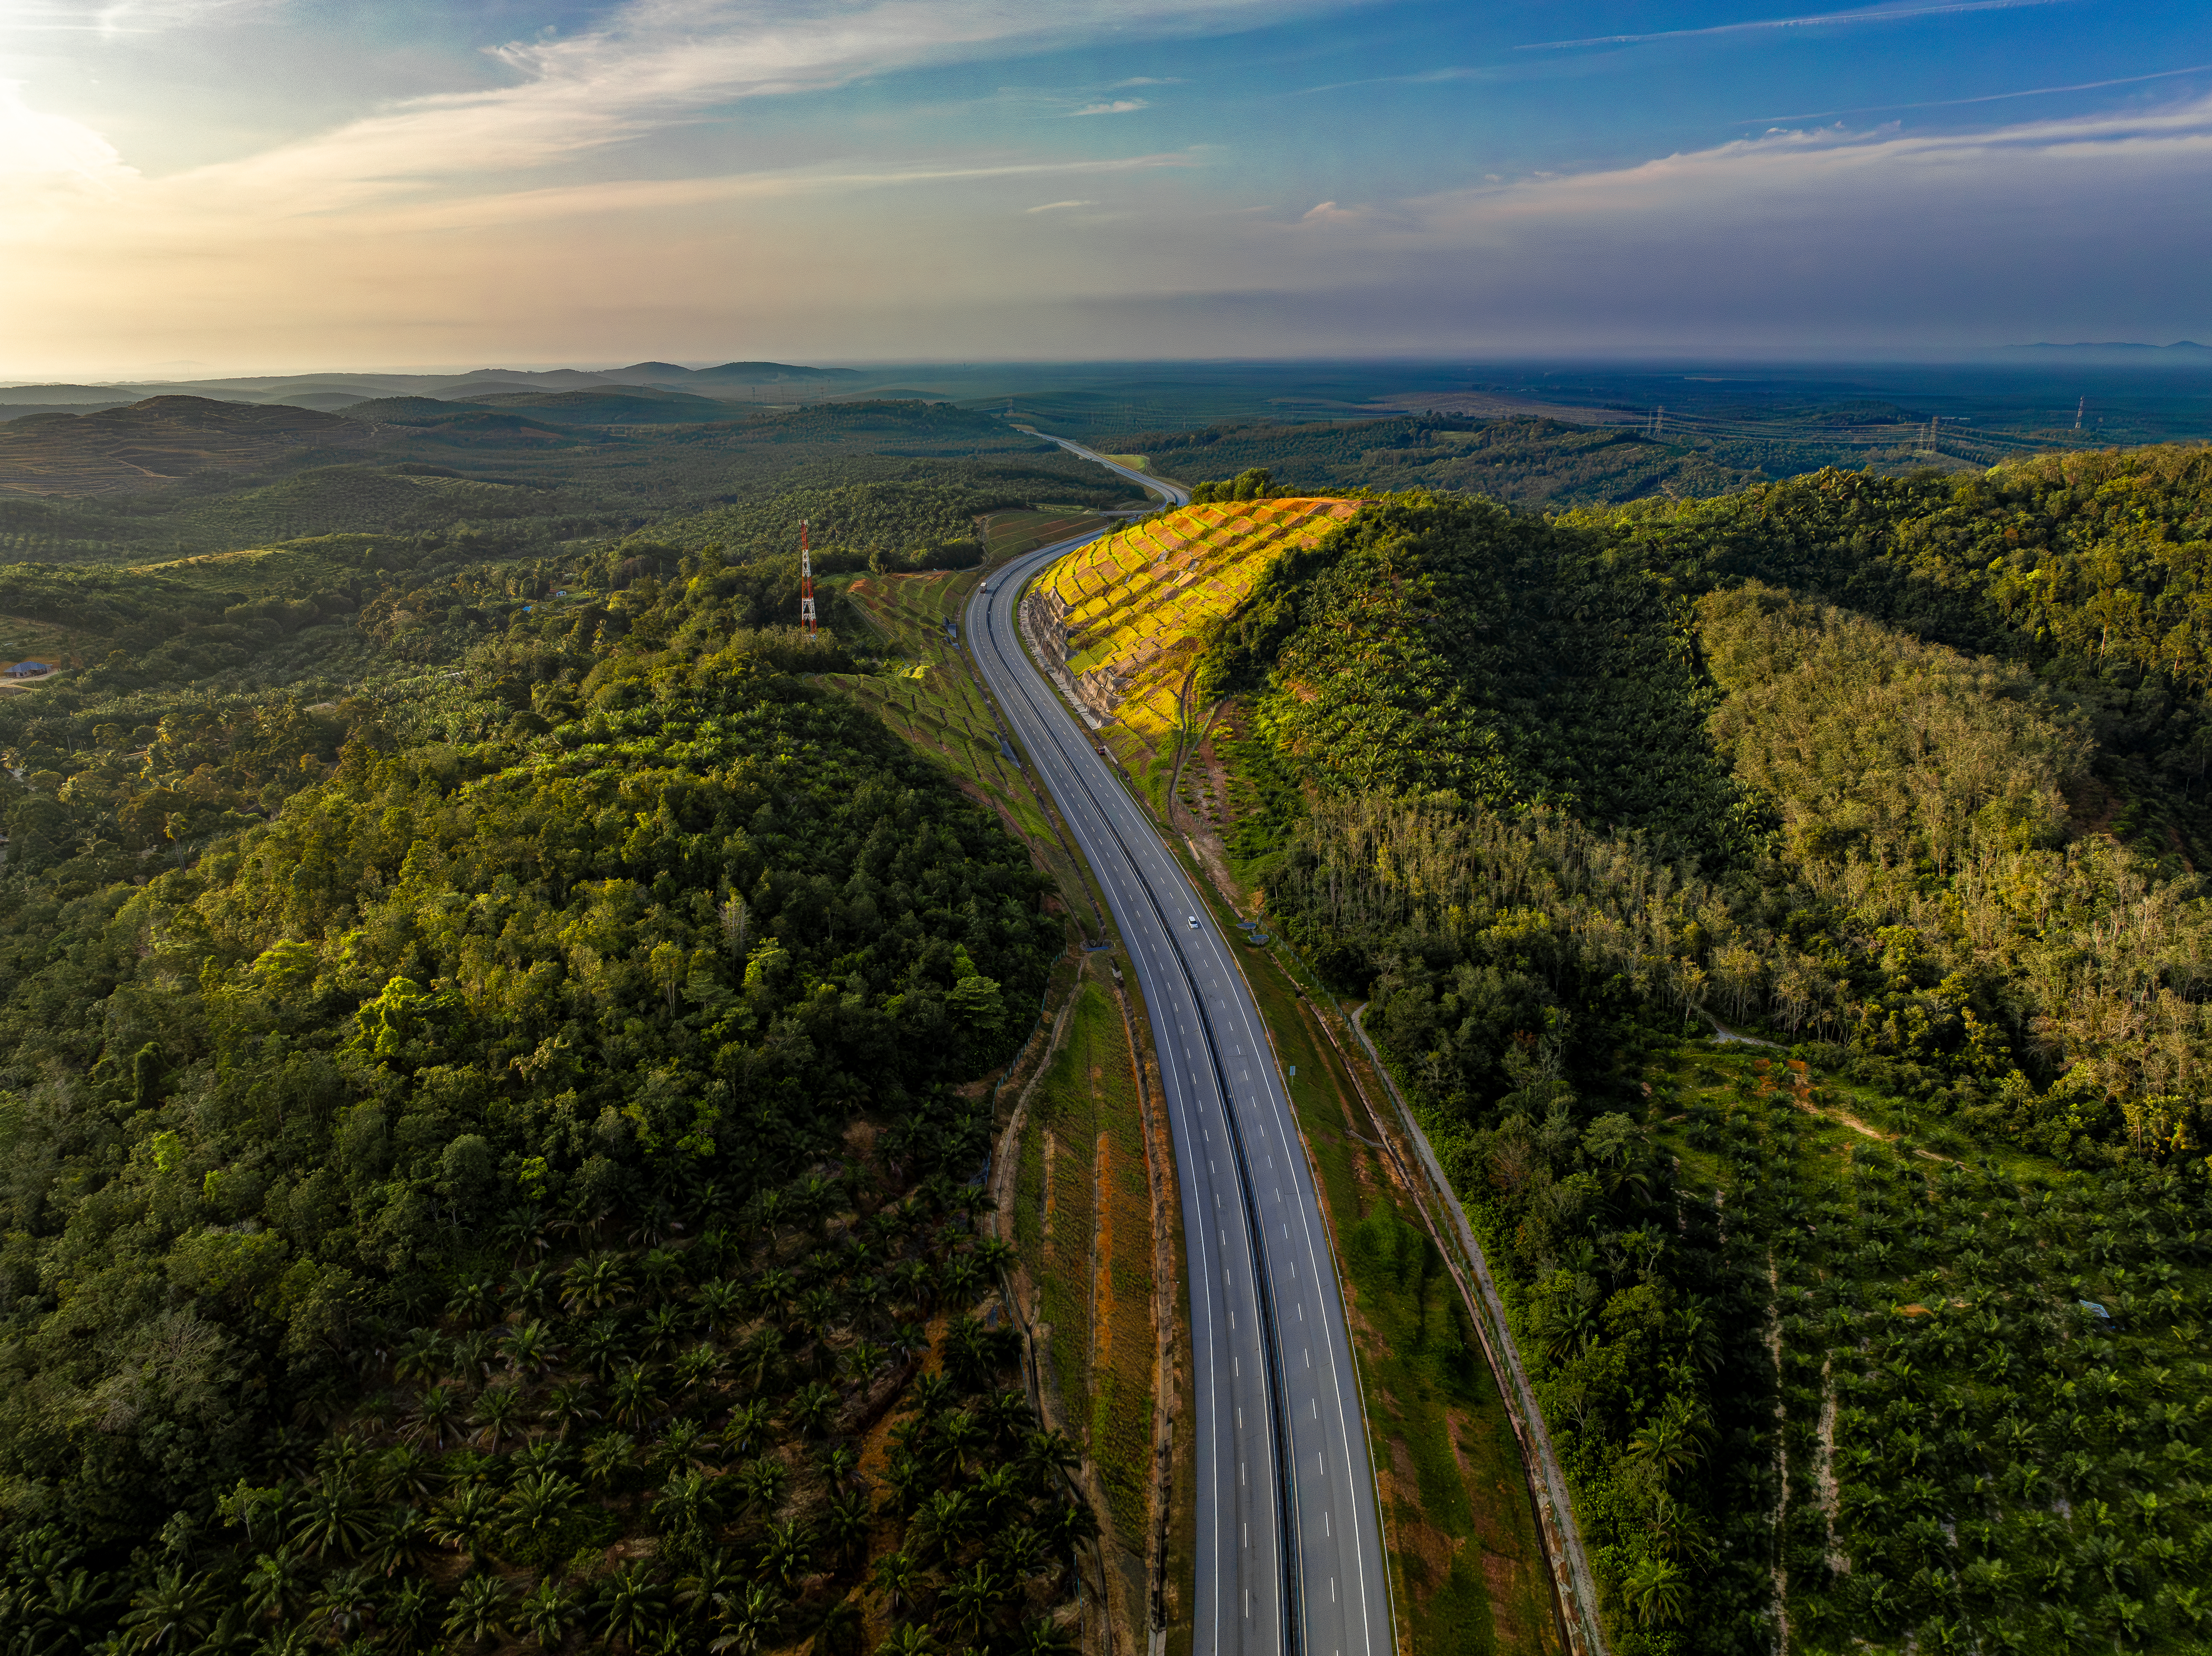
840	1463
1005	1414
398	1539
932	1395
995	1491
435	1414
630	1396
969	1599
409	1611
1048	1452
495	1415
594	1283
721	1303
685	1505
745	1617
1020	1552
1656	1591
698	1368
532	1289
343	1604
172	1614
847	1521
632	1607
811	1312
421	1356
772	1289
536	1506
762	1484
472	1302
276	1582
529	1349
470	1355
718	1573
685	1443
479	1610
1672	1441
601	1346
568	1408
662	1328
547	1613
958	1436
789	1551
748	1422
464	1519
943	1521
900	1577
914	1280
607	1456
909	1640
405	1472
1044	1637
760	1355
333	1518
813	1408
662	1268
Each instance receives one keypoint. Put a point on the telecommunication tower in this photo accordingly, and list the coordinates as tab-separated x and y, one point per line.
805	583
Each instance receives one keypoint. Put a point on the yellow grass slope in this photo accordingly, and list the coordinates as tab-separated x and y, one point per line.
1136	603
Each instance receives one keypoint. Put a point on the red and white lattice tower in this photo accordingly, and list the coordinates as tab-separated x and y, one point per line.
805	583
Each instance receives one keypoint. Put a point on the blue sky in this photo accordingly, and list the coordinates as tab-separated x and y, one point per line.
274	184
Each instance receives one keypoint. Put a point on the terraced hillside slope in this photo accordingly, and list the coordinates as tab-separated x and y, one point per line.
1132	610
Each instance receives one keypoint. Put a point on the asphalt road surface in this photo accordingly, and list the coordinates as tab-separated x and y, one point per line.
1290	1556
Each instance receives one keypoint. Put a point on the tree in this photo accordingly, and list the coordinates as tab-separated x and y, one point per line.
495	1415
479	1611
171	1614
537	1506
632	1607
547	1612
970	1599
630	1396
909	1640
333	1518
1656	1591
745	1619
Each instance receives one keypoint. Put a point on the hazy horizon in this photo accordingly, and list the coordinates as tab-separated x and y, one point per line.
201	187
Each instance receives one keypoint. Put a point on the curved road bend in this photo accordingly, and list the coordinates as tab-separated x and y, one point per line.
1175	494
1289	1559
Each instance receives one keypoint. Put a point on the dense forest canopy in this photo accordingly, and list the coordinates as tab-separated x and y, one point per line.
477	1149
1906	776
889	473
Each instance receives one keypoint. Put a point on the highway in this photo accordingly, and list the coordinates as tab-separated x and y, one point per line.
1288	1553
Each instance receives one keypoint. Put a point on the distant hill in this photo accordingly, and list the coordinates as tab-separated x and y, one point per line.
328	401
149	444
768	374
61	396
611	406
467	390
403	409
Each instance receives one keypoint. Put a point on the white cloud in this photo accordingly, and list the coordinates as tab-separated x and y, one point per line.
33	144
1054	206
1119	106
1818	20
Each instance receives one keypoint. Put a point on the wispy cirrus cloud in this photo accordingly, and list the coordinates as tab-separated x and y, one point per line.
1818	20
122	17
1118	106
1992	97
1056	206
